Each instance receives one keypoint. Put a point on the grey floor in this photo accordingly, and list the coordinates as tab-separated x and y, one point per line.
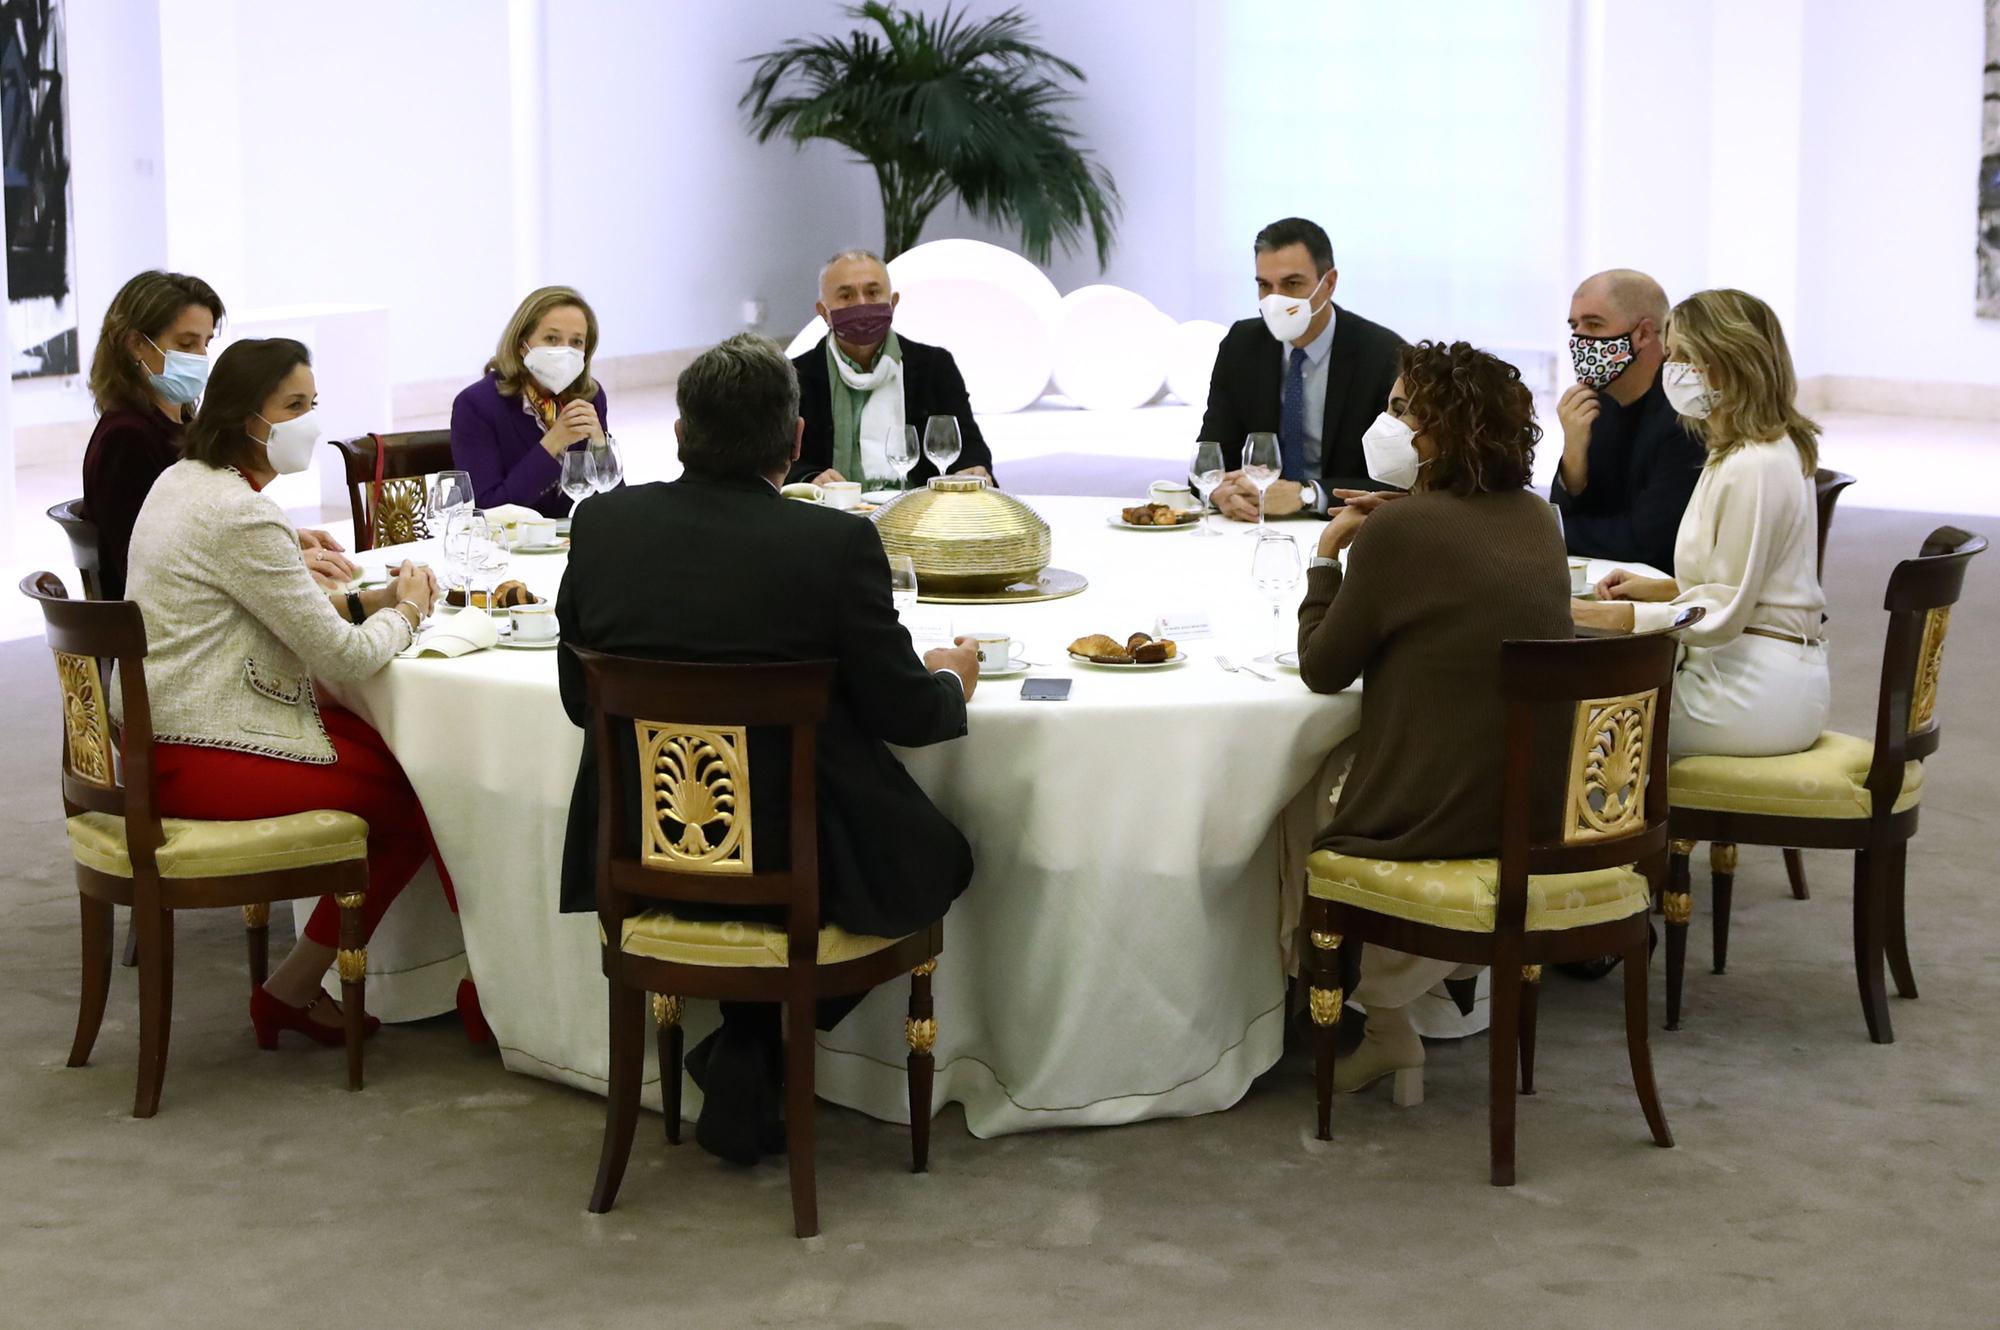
1818	1179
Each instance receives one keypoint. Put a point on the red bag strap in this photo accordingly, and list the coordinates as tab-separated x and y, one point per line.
381	460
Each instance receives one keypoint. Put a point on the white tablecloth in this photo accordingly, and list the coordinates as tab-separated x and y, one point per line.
1121	951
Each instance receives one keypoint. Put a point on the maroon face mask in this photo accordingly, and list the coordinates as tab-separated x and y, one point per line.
862	325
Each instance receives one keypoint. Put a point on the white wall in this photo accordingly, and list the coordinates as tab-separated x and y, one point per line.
1890	187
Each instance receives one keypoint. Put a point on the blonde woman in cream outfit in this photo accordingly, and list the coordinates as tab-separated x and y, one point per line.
1752	680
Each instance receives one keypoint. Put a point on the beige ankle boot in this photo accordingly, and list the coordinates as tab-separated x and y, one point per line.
1389	1046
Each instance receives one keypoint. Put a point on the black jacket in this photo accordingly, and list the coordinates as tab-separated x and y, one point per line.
932	386
1245	392
705	570
1643	468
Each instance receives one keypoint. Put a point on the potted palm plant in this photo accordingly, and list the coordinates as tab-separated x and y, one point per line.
940	107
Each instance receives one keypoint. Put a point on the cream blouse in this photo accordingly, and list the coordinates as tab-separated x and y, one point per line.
1747	550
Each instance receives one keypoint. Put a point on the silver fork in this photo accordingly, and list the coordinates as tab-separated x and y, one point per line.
1224	662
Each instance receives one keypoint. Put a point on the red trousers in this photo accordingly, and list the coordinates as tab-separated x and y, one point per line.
225	785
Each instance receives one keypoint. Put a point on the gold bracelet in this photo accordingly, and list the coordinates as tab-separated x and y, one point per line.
416	615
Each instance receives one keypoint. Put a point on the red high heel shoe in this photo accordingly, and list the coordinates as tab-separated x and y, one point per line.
477	1031
268	1016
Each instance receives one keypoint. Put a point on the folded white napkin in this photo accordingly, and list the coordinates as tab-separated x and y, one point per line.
507	514
802	490
457	634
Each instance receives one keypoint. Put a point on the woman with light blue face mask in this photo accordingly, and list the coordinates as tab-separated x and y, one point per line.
149	369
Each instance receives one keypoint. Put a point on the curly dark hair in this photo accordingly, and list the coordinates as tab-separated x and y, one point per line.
1477	414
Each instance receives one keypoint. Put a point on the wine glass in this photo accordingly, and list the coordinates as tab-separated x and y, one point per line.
903	581
1262	465
1275	568
1555	511
450	492
468	546
904	451
1206	473
941	443
606	470
579	475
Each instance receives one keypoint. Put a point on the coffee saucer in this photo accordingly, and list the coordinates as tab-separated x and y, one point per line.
1014	668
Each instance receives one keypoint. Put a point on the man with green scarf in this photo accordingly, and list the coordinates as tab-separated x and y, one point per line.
862	385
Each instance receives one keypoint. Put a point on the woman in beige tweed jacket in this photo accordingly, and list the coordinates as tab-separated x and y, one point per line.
236	633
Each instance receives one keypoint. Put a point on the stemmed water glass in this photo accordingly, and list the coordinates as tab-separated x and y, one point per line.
904	450
941	443
1262	465
469	548
579	475
606	470
902	582
1275	568
451	492
1206	473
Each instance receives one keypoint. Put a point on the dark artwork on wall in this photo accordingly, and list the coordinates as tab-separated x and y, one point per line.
1989	173
34	134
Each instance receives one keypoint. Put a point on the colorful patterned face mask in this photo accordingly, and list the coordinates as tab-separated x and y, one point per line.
1599	360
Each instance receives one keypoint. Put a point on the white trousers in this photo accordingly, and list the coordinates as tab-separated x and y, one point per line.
1754	697
1396	978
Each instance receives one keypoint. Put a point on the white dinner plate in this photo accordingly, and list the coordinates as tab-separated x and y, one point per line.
1119	522
1014	668
1287	660
880	496
1180	659
556	548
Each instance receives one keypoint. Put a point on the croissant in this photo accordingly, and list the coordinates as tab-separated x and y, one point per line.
1097	644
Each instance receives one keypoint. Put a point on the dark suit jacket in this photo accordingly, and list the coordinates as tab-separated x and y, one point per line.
932	386
1245	392
706	570
1643	468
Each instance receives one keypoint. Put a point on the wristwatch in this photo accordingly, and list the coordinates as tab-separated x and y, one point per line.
355	612
1309	496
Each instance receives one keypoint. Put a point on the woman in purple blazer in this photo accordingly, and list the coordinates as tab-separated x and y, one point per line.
535	402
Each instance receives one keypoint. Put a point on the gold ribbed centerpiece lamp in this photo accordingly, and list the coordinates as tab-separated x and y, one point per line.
965	537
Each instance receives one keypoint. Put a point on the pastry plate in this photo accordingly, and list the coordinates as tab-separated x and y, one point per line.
1121	524
1287	660
1178	660
561	544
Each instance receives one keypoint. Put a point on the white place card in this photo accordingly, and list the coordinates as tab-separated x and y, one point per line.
1183	625
929	628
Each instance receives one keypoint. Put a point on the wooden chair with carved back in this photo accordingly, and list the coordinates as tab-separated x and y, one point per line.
386	483
82	533
1843	793
689	728
127	854
1578	897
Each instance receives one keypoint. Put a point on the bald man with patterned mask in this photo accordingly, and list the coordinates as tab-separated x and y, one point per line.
1629	465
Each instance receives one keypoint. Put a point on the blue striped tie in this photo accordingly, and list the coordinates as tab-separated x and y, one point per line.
1292	418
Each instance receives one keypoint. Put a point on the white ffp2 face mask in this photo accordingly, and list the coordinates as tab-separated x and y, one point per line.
554	367
1686	391
1288	317
290	445
1390	447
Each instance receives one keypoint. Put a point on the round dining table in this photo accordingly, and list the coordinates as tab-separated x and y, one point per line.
1123	948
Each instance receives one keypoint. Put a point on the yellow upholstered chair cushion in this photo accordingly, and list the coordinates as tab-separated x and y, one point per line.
224	849
667	937
1824	781
1463	893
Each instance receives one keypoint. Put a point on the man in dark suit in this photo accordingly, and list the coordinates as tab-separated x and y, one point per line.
1306	370
716	567
1629	462
862	381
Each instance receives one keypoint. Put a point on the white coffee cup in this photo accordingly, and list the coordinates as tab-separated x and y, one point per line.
996	650
535	533
1172	493
1579	576
534	623
841	494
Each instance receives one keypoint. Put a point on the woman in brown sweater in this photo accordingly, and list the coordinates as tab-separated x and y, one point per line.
1437	578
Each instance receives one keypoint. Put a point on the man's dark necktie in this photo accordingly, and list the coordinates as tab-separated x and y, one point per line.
1292	418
